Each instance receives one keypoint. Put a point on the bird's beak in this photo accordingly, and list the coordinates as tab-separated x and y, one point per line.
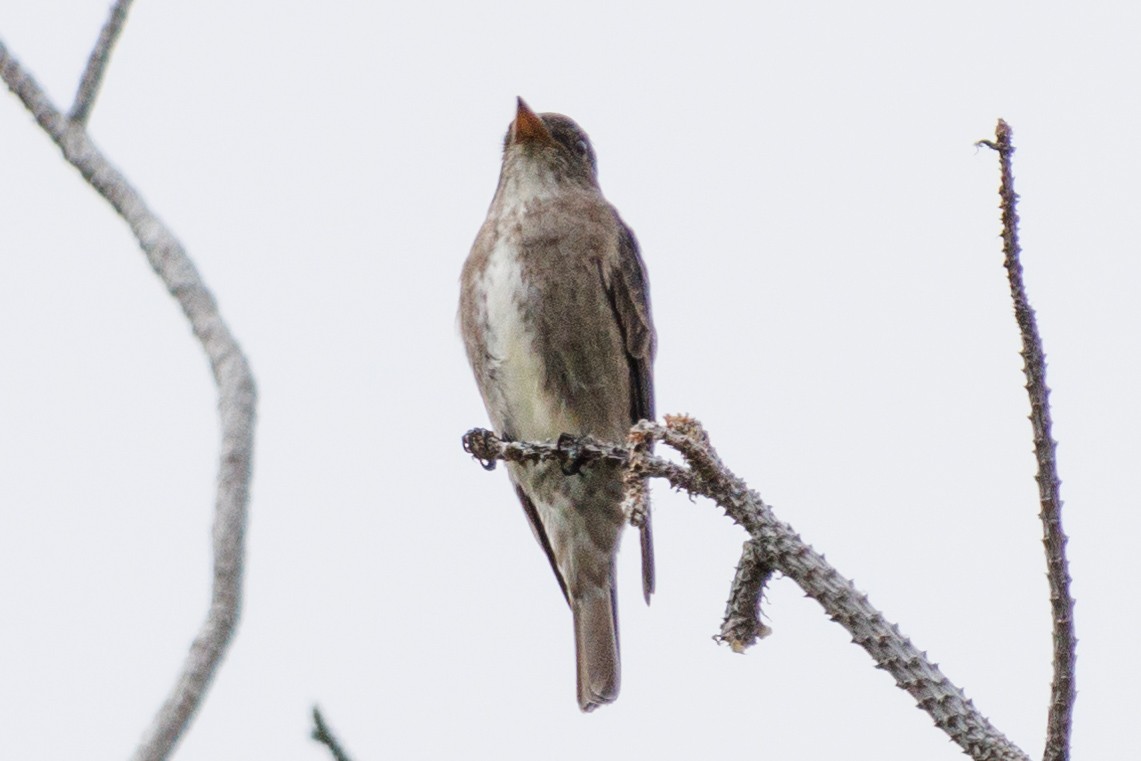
528	125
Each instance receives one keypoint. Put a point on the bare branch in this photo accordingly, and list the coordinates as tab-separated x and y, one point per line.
97	63
236	402
322	734
1063	690
742	626
778	547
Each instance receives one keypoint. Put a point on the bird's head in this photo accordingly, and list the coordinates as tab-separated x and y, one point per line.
549	147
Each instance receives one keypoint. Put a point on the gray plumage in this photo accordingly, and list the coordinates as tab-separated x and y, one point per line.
555	316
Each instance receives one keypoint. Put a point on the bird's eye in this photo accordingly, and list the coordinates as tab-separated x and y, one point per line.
582	148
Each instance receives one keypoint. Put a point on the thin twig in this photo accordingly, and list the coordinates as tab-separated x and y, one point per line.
236	403
783	551
1063	690
97	63
322	734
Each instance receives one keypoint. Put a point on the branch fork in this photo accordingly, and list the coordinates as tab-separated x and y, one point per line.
237	394
772	547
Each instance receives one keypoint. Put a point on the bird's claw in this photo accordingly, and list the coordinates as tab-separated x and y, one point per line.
476	441
572	454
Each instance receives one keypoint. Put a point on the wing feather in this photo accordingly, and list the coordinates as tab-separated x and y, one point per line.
628	288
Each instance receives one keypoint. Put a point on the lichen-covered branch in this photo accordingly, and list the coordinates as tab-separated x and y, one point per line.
775	546
236	402
97	63
742	626
1063	690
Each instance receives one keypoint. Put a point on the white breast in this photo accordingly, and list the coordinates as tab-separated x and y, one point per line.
519	390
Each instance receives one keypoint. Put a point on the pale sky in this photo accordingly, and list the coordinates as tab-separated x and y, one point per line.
822	241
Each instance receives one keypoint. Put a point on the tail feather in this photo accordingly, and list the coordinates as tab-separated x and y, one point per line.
596	649
647	534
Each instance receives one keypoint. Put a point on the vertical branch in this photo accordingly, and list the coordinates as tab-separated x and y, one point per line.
97	63
236	403
1063	692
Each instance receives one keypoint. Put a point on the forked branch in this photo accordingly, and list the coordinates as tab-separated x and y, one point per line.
322	734
236	392
97	63
773	546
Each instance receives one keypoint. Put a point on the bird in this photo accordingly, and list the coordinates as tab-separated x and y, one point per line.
555	317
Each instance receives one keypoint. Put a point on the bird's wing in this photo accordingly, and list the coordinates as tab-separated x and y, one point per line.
629	292
541	535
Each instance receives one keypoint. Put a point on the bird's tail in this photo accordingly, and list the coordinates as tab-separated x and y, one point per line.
596	648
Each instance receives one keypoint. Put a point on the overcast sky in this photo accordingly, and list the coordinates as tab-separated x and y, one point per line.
822	241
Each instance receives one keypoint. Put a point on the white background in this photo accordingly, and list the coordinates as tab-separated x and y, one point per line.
822	241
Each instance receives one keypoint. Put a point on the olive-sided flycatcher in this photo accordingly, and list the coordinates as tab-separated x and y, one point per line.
555	315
